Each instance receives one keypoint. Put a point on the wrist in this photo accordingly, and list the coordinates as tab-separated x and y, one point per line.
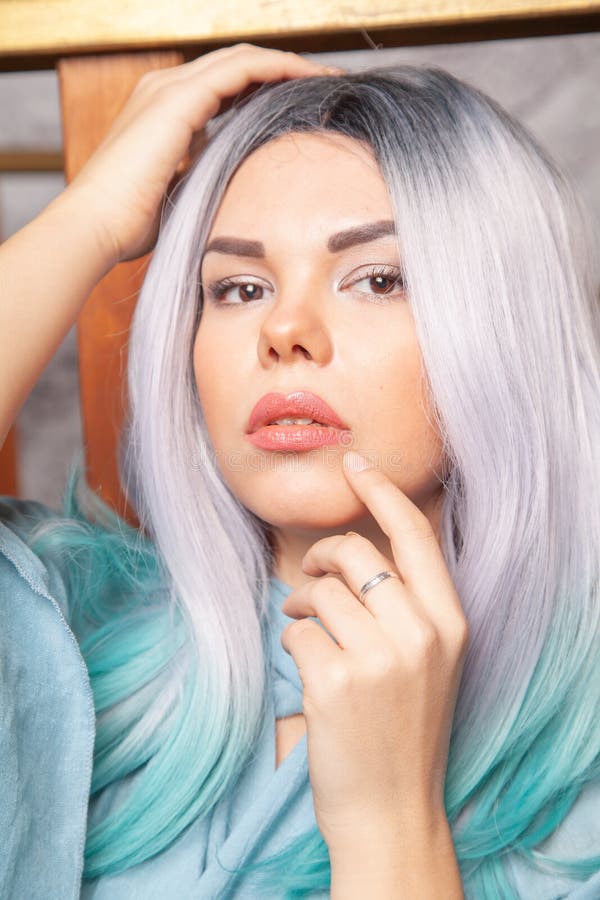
411	858
416	823
74	208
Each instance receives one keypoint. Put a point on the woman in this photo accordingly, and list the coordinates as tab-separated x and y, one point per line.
417	278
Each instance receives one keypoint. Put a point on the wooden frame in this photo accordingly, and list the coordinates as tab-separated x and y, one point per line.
31	30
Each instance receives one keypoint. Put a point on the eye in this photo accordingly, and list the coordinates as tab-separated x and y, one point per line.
384	280
217	290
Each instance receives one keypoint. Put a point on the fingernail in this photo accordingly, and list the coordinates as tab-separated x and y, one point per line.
355	461
334	70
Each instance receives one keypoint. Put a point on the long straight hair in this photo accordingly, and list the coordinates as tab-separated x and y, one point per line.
500	265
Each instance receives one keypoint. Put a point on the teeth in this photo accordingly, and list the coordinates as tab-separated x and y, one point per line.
295	422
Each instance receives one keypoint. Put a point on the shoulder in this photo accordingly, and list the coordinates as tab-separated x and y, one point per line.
19	521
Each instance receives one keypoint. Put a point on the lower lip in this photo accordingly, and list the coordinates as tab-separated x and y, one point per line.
295	437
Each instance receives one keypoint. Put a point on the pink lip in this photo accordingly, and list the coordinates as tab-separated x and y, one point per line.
299	404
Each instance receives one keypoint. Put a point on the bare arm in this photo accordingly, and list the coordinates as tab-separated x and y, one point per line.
111	211
47	270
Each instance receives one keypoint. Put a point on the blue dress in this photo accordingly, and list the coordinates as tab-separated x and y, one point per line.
47	728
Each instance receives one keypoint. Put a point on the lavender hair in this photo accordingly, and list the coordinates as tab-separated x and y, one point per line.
499	259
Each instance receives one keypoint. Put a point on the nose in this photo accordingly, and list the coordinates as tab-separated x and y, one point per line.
294	327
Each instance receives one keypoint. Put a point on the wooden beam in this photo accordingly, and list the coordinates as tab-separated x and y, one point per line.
31	161
30	30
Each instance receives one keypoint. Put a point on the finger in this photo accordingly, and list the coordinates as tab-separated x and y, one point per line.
311	649
305	67
295	59
357	560
338	609
391	607
417	554
295	63
226	79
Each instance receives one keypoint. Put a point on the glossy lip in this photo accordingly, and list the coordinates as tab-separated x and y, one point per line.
298	404
296	437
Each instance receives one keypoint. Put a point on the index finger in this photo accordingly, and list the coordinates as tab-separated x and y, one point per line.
415	547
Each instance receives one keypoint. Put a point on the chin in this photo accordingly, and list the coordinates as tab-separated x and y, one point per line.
312	524
302	506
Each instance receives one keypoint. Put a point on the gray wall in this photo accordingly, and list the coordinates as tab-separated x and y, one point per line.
550	83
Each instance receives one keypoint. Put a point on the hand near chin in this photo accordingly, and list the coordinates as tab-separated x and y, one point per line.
379	703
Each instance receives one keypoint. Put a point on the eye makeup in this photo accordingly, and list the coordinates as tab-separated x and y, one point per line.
217	290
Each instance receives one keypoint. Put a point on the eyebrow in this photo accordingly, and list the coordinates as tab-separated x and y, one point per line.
360	234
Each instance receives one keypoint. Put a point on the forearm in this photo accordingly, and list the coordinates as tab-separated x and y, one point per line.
47	270
415	861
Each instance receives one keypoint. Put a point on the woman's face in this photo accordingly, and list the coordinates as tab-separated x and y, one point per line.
309	314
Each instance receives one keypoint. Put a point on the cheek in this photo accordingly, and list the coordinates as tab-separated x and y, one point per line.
220	384
405	423
397	374
201	371
206	374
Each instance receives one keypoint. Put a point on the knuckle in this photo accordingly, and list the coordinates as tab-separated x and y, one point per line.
325	584
339	552
415	525
298	627
338	680
460	634
154	86
425	642
166	89
149	77
382	664
334	686
325	588
212	55
420	526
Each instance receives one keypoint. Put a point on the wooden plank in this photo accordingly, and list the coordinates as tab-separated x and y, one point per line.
93	90
31	160
28	27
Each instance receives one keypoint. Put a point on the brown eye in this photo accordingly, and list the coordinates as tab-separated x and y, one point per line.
383	283
251	291
246	291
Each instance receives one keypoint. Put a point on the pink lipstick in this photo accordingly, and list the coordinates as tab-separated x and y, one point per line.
266	429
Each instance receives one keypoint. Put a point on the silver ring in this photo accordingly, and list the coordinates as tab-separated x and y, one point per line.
381	576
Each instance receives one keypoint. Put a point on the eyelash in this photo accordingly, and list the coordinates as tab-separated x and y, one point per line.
217	289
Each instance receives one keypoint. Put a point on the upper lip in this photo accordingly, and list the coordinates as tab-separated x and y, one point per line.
297	405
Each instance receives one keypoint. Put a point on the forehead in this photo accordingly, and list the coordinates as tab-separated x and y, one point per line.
313	176
312	146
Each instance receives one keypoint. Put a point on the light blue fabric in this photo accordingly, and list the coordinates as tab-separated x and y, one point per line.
46	743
